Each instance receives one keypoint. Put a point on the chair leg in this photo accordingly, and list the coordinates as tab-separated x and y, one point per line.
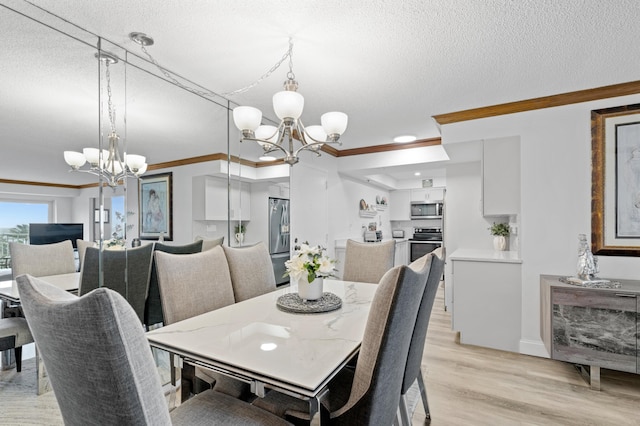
423	394
405	416
18	358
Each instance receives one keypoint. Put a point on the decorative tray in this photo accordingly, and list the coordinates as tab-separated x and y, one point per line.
293	303
598	283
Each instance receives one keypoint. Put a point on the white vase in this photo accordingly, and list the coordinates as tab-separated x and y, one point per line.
240	237
499	243
310	290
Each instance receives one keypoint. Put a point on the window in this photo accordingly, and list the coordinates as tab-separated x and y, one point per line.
15	217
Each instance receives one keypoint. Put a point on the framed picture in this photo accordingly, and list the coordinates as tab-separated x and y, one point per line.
105	215
155	204
615	181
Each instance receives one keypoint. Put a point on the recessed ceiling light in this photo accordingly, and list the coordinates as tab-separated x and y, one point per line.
267	158
404	139
416	174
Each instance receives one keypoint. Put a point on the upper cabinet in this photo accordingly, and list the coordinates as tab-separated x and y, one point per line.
501	177
210	199
427	194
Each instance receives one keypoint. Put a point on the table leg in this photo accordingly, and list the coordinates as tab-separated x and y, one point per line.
176	376
7	357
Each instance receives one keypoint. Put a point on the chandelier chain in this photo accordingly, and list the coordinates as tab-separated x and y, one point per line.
208	93
110	108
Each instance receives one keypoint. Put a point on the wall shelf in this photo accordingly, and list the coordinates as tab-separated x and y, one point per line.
368	213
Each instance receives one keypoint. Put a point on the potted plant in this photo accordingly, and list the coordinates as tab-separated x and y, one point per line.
240	230
308	267
500	232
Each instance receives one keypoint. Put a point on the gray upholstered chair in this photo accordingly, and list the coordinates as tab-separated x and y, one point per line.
208	244
14	333
367	262
82	249
251	271
190	285
125	271
412	371
101	368
153	305
42	260
370	394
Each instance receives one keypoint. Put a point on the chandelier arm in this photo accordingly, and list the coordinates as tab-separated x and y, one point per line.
274	146
310	147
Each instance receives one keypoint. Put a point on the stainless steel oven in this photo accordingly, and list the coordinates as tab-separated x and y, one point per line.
424	241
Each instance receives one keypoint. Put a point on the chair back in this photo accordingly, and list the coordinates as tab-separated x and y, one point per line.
97	357
368	262
251	271
42	260
153	305
208	244
192	284
125	271
375	393
82	249
435	262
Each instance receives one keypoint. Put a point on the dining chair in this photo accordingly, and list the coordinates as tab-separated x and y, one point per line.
208	244
82	249
190	285
251	271
368	262
153	305
125	271
101	368
14	333
370	393
412	371
42	260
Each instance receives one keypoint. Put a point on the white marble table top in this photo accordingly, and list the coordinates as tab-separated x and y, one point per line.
256	340
67	282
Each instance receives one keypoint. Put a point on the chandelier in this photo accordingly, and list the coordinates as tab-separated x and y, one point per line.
109	164
288	105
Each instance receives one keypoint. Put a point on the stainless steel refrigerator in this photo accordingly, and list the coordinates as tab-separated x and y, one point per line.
279	237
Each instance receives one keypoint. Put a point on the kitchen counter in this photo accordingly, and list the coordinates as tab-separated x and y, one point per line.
341	244
478	255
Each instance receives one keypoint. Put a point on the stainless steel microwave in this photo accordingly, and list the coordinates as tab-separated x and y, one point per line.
426	210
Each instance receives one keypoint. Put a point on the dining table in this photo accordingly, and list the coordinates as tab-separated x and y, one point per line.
258	342
10	305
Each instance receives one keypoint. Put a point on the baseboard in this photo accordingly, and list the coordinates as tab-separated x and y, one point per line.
534	348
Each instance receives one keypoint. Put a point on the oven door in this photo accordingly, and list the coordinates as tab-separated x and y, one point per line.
420	248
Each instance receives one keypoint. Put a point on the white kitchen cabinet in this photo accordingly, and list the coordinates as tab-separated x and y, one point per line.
400	204
402	253
209	199
487	304
501	177
427	194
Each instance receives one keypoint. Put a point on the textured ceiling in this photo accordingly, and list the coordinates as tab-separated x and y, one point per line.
390	65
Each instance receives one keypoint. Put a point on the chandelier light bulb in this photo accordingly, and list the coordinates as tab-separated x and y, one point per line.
288	105
247	118
334	123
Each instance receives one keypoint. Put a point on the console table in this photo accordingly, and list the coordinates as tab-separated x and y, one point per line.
591	327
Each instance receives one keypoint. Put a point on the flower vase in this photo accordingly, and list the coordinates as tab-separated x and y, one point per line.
240	237
499	243
310	290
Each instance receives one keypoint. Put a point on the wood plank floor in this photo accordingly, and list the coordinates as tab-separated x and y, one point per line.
466	385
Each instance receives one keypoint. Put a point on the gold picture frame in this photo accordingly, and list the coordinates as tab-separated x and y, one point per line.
615	181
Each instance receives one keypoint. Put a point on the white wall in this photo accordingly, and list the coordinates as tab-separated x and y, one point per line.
556	196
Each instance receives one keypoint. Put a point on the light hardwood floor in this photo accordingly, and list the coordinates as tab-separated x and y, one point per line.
466	385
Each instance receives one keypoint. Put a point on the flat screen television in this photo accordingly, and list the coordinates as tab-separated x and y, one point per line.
47	233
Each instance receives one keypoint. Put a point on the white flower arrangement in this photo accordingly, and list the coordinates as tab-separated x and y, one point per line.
310	262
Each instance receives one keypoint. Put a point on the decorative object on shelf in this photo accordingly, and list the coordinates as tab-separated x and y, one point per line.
500	232
240	230
155	203
292	302
587	268
288	105
108	164
308	267
367	210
